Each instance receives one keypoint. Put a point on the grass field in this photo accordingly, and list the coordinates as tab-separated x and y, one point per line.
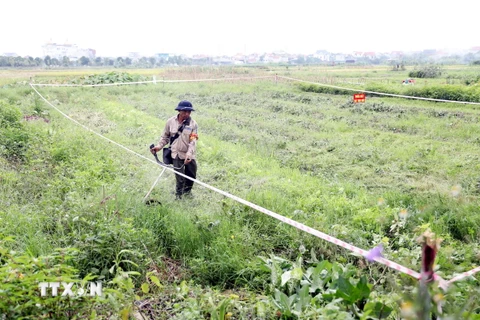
384	171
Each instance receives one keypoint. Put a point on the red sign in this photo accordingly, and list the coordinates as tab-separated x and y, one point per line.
359	97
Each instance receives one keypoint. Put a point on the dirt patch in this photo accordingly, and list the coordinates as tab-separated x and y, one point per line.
170	271
34	117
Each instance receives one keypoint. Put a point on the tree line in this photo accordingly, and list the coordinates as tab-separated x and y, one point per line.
143	62
151	62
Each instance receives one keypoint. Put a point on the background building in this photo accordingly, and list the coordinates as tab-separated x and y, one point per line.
72	51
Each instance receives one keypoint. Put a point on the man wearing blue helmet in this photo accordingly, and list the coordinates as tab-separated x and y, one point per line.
181	132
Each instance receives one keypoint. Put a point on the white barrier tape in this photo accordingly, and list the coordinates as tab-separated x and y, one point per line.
89	85
218	79
141	82
379	93
464	275
272	214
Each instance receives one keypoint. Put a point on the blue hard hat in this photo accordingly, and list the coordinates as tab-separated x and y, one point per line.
184	105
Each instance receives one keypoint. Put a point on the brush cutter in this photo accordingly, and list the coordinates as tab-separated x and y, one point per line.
150	202
165	166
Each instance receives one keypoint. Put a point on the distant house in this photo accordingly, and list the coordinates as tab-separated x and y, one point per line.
222	60
163	57
396	54
275	58
357	54
474	49
429	52
72	51
200	58
135	56
337	58
322	55
10	54
253	58
369	55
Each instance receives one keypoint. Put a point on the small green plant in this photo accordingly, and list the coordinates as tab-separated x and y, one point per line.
298	292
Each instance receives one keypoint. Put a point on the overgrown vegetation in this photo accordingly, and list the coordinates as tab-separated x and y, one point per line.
450	92
111	77
428	71
13	137
382	172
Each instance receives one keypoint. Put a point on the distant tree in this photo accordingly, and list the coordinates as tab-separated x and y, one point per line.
9	61
452	59
301	60
311	60
120	62
84	61
397	66
128	61
38	61
47	60
98	61
142	62
18	62
65	61
178	60
3	61
152	61
108	62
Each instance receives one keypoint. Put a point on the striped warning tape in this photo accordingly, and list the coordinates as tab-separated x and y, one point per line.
142	82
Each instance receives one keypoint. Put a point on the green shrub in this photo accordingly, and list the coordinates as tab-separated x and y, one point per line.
430	71
376	87
13	137
472	80
321	89
451	92
100	243
13	143
10	116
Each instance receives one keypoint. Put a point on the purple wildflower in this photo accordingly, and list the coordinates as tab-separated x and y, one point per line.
374	253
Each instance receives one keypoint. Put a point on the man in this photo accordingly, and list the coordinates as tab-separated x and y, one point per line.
183	146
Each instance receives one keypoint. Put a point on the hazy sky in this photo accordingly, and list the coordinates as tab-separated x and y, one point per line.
216	27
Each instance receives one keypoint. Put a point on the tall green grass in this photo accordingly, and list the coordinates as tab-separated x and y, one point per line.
347	170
